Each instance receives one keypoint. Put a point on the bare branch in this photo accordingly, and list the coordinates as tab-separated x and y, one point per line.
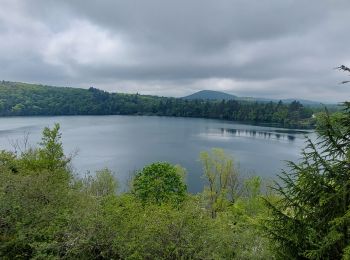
20	145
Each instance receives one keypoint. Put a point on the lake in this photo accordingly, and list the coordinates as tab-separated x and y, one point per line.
125	144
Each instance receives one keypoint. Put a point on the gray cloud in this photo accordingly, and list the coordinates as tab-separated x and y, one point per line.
266	48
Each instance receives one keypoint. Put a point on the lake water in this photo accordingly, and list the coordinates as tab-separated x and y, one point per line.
127	143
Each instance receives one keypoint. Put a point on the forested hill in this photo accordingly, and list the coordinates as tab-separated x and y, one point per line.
210	95
21	99
218	95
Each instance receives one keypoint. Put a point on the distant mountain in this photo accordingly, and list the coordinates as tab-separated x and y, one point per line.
218	95
210	95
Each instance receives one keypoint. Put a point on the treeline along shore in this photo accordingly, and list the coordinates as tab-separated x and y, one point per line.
21	99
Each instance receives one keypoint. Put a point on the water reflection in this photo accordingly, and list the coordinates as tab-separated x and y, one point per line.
115	142
277	134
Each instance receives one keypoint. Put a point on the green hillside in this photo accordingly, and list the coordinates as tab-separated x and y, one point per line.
218	95
21	99
210	95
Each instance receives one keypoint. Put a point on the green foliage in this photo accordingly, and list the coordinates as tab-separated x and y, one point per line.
253	186
34	199
51	150
46	213
20	99
311	218
160	183
161	231
221	180
103	184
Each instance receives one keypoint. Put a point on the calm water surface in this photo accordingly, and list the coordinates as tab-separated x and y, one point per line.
127	143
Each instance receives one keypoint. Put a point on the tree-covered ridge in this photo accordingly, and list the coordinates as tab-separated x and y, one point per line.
20	99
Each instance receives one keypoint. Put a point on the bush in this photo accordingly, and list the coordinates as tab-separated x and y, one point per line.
160	183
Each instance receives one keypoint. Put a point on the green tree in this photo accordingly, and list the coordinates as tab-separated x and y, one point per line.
51	150
35	199
103	184
221	180
311	219
160	183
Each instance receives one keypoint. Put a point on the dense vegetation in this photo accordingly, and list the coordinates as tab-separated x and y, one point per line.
311	220
311	217
48	213
20	99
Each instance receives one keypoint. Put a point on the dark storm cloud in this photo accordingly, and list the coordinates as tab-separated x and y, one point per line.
267	48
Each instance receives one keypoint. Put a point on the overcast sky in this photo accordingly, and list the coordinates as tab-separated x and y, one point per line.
260	48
